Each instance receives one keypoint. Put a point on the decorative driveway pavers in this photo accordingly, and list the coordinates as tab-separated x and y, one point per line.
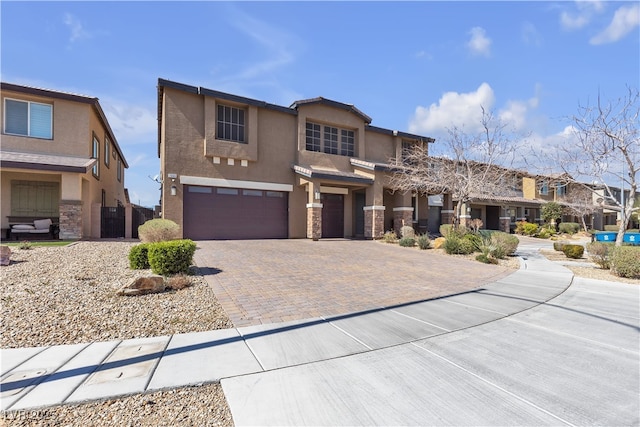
269	281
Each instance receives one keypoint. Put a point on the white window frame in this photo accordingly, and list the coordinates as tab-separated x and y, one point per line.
29	103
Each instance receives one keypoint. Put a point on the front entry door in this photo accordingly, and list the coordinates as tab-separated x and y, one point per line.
332	215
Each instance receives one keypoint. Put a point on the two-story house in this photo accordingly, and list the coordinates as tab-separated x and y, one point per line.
59	159
238	168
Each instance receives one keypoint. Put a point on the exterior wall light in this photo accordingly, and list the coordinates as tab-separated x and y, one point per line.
316	194
174	190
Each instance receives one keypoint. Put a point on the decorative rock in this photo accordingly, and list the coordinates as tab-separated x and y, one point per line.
438	242
144	285
5	255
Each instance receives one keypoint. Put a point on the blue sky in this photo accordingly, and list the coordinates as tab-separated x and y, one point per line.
414	66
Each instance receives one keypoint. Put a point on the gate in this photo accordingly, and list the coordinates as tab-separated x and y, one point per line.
139	215
112	222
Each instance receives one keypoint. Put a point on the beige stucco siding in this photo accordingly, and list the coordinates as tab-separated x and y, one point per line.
379	147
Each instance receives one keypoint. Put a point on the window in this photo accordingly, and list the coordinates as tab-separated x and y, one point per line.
330	140
407	148
119	169
28	119
313	137
227	191
347	143
544	188
95	153
561	189
231	124
107	150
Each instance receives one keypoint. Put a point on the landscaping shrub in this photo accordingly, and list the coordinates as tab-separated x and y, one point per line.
506	244
408	242
390	237
573	251
172	257
525	228
569	227
158	230
406	231
454	244
544	233
625	261
599	254
558	246
438	242
487	259
611	228
139	257
475	240
445	229
423	241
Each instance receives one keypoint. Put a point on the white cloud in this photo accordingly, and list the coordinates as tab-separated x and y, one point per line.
76	28
479	44
625	19
578	19
131	124
453	109
530	34
516	113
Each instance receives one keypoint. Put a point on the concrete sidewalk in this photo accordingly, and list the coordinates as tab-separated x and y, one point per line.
43	376
403	364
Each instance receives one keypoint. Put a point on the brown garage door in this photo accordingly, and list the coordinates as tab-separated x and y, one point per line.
332	215
232	213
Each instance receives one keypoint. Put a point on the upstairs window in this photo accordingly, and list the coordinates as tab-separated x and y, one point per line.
330	139
28	119
95	153
119	170
544	188
561	189
313	137
107	150
231	124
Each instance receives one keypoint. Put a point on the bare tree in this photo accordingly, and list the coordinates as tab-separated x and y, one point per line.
579	202
476	165
608	151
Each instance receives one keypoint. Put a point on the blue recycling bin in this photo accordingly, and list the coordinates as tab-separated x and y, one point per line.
631	238
605	236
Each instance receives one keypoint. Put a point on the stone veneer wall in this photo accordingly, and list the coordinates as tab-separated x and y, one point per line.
70	219
314	221
373	222
402	216
505	224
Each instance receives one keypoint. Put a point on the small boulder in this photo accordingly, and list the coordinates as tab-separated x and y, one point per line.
143	285
438	242
5	255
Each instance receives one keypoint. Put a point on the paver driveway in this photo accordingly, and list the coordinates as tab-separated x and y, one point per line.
267	281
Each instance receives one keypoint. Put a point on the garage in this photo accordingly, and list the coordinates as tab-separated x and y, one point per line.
217	213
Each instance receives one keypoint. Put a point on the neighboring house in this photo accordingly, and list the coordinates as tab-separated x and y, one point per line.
237	168
59	159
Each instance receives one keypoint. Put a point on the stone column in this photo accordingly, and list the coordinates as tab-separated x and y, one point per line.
505	224
373	222
314	221
402	216
70	219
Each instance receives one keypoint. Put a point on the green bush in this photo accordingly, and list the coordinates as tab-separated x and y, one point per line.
424	242
487	259
407	242
406	231
172	257
506	244
454	244
475	240
611	228
573	251
139	257
599	254
544	234
389	237
558	246
525	228
625	261
158	230
569	227
445	229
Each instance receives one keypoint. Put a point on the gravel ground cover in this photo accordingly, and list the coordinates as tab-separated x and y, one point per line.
65	295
